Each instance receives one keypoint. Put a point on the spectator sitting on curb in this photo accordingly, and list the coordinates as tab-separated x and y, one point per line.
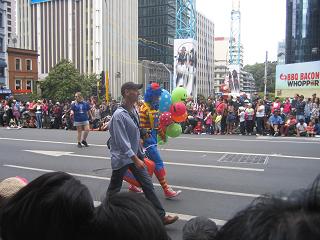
199	228
126	216
9	187
54	206
301	128
276	123
294	217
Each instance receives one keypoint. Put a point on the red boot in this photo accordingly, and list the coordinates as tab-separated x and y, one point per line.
168	191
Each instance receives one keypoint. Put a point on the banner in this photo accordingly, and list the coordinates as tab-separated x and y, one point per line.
298	76
39	1
234	78
185	65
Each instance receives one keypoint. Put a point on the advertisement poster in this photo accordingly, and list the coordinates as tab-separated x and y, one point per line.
298	76
185	65
234	78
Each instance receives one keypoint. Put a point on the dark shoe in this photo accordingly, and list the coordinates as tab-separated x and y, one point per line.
169	219
79	145
85	143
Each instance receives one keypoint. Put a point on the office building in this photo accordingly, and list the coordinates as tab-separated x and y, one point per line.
302	31
95	35
157	30
205	55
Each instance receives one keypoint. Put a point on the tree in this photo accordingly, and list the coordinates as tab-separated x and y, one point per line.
64	80
257	70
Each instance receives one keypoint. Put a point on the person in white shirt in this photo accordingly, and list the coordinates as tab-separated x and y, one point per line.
301	128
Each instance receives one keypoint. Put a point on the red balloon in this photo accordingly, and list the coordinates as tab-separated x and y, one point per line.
178	109
165	119
180	119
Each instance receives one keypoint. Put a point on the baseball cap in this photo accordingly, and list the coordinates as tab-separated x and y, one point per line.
130	85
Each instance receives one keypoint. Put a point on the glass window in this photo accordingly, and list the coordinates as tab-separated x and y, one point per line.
18	84
29	85
18	64
1	23
29	64
1	44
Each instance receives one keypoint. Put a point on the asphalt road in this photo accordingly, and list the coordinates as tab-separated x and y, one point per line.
218	175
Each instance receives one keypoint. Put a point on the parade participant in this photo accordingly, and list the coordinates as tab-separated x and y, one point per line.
149	121
126	150
81	109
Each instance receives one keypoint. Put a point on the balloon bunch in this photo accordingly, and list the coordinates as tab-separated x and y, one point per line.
173	111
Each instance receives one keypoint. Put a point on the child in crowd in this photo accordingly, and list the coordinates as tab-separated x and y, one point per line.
208	122
310	129
242	120
198	128
218	124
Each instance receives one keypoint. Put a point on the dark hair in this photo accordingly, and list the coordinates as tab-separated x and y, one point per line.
294	217
199	228
128	216
54	206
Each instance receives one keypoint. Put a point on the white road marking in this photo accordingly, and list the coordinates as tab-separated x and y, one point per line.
61	153
156	184
182	217
239	153
258	139
175	150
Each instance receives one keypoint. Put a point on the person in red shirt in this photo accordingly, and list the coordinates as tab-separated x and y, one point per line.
289	127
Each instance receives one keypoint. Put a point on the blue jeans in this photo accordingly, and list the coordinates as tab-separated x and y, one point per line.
141	174
259	124
39	120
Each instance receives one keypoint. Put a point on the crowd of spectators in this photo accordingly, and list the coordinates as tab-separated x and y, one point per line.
295	116
57	206
239	115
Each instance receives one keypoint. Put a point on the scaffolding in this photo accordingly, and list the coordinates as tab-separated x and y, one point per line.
235	34
186	19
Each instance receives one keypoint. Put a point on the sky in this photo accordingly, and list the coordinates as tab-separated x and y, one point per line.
262	25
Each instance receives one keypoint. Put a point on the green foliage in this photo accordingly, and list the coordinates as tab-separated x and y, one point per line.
64	80
257	70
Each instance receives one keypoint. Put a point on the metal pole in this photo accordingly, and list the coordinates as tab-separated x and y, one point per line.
265	75
170	76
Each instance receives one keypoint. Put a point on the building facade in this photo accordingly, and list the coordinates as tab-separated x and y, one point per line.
205	56
3	44
302	31
22	70
281	56
11	23
150	71
249	83
157	29
95	35
221	62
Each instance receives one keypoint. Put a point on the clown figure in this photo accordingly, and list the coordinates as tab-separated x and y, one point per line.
149	123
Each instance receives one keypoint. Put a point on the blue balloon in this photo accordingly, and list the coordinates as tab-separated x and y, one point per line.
165	101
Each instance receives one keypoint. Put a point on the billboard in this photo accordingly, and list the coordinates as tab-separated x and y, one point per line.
298	76
185	65
39	1
233	78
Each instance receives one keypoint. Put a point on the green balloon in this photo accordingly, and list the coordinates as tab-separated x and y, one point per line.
174	130
179	94
160	141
